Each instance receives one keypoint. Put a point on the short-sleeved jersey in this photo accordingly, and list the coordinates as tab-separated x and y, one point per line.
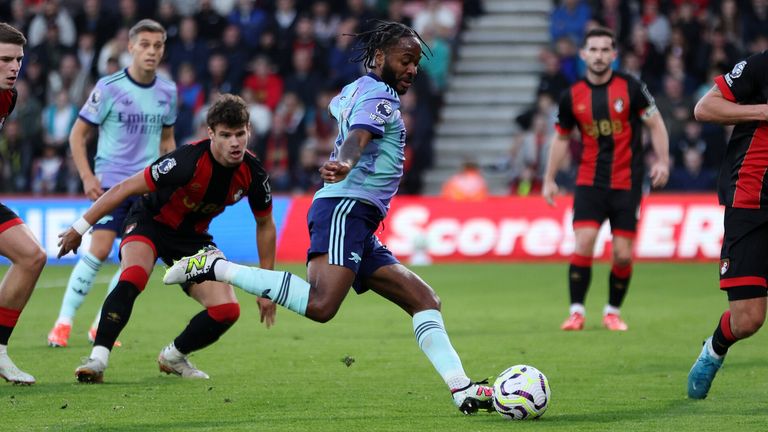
609	117
130	117
368	103
189	188
7	104
742	182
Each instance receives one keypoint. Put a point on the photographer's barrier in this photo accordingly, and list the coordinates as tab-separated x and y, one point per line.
671	227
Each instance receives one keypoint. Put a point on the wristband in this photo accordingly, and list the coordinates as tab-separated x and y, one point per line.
81	226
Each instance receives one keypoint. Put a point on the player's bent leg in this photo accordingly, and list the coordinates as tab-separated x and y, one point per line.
205	328
27	261
95	324
406	289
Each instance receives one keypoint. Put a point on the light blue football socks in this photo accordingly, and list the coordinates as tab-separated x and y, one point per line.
432	338
78	286
283	288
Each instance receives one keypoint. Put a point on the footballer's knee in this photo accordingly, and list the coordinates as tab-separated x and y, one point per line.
35	261
321	310
622	260
226	313
744	325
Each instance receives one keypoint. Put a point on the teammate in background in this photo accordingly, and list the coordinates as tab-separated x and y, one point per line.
184	191
609	109
738	99
361	178
134	111
17	243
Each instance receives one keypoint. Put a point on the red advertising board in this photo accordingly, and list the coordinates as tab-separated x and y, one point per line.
671	227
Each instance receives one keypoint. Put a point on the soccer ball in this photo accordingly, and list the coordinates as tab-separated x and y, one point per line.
521	392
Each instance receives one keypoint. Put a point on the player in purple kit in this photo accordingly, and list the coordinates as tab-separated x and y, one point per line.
182	192
17	243
360	180
739	98
134	111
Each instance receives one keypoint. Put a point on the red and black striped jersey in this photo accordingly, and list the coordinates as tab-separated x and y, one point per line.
7	104
742	182
609	117
189	188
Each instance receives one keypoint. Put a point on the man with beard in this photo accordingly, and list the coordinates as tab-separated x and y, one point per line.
609	108
361	178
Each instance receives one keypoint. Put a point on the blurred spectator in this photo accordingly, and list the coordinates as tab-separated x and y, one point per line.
210	23
28	112
50	51
395	12
306	175
732	23
717	51
52	14
19	17
57	120
188	49
304	40
689	22
568	53
35	75
93	19
86	54
70	78
341	69
236	52
305	80
359	10
267	86
217	75
657	24
191	100
418	117
437	61
324	23
117	49
438	17
45	171
652	59
261	119
251	20
617	16
569	20
467	184
169	18
692	175
15	157
284	142
755	19
128	13
675	106
551	80
268	47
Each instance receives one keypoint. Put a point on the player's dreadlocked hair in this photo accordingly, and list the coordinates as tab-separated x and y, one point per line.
385	35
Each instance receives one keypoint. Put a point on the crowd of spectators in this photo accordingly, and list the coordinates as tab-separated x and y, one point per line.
286	58
676	47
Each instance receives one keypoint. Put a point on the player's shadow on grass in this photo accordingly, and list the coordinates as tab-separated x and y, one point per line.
651	410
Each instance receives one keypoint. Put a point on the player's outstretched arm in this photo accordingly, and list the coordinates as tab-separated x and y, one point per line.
715	108
349	153
660	142
167	141
266	241
70	239
78	137
558	149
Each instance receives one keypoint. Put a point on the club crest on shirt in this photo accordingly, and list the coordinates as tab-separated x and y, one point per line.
618	105
725	264
239	194
130	228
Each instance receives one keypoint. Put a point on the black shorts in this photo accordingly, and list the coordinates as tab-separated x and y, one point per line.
744	256
167	243
592	206
8	218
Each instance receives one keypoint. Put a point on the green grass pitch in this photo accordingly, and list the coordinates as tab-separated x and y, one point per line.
292	378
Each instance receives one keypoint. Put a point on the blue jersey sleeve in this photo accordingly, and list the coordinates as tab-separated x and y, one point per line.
170	118
373	111
98	105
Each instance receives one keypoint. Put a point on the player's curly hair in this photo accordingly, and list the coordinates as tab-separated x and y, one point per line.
10	35
228	110
382	37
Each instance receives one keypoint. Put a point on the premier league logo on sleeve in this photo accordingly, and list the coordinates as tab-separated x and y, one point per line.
384	108
163	167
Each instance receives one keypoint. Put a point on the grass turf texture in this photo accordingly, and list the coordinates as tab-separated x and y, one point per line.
292	377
